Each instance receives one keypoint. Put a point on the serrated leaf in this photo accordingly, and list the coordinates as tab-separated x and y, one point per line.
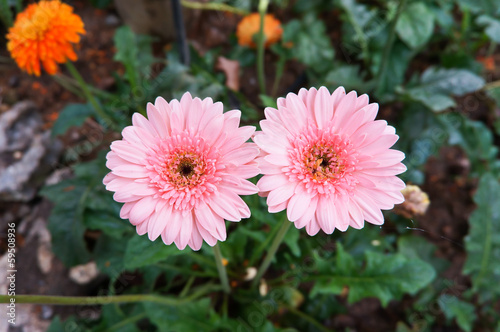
415	247
311	44
111	316
134	52
141	252
385	276
483	241
474	137
492	29
463	312
399	59
415	25
109	253
436	85
73	115
66	222
189	317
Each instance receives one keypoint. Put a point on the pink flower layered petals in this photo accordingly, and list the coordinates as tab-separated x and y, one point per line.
180	171
327	161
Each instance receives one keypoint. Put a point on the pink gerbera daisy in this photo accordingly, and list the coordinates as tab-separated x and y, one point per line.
181	172
327	161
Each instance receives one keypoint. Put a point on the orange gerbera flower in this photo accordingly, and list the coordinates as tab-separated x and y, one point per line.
249	27
44	33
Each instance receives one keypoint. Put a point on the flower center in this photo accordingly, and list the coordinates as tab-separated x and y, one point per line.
183	170
186	168
323	161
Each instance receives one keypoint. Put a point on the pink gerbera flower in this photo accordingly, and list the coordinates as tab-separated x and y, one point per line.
327	161
181	172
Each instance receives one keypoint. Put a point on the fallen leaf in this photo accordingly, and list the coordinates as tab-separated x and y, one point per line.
232	70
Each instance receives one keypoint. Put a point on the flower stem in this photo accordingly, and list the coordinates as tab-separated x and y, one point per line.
272	251
221	269
213	6
88	94
261	39
388	47
98	300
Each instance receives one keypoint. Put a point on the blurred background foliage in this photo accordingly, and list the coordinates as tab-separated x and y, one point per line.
422	60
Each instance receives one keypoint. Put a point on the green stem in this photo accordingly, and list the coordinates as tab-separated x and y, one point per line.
213	6
279	72
261	39
88	94
95	300
388	47
187	287
272	251
221	269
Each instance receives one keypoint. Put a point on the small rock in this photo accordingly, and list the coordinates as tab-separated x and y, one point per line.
47	312
112	20
27	152
83	274
14	81
44	257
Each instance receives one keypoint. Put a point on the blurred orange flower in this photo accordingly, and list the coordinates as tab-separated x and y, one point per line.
249	27
44	33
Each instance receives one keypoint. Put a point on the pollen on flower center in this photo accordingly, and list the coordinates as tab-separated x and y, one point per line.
323	161
184	170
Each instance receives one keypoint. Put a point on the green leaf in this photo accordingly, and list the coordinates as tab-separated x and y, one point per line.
268	101
483	241
113	317
474	137
106	222
134	52
437	84
5	13
292	240
476	6
415	25
73	115
141	252
399	59
385	276
416	247
68	325
462	311
492	27
109	254
66	222
348	76
190	317
311	44
494	93
360	25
